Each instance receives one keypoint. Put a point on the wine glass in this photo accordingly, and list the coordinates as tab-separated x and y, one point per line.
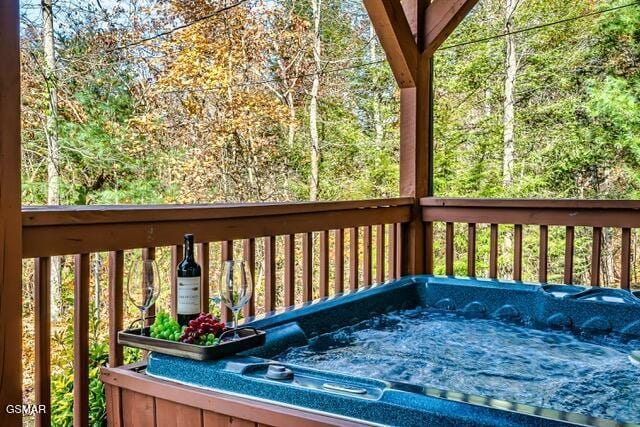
235	286
143	287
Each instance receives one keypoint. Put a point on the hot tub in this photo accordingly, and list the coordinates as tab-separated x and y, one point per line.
443	351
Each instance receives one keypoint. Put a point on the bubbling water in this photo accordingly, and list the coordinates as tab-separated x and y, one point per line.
554	369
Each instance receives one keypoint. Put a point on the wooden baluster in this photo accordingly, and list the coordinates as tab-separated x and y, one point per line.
393	248
43	338
568	255
380	277
81	341
339	261
399	254
149	254
270	273
202	251
625	259
289	270
116	306
428	247
471	251
596	249
307	267
493	252
544	254
517	252
449	249
324	264
249	251
226	254
353	258
176	257
367	256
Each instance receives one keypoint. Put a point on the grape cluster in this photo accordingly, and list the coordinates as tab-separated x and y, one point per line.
166	328
204	330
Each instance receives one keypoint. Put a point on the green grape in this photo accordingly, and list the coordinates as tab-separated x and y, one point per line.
164	327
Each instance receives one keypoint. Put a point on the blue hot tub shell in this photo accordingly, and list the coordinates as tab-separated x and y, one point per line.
592	310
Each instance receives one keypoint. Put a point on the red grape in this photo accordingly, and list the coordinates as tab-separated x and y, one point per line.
200	327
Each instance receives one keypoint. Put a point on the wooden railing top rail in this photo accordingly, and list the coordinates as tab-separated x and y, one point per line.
588	213
72	230
100	214
530	203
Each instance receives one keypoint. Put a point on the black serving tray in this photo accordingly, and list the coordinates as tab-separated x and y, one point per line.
249	338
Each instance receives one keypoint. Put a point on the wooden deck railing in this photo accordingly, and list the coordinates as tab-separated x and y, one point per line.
371	231
593	214
80	231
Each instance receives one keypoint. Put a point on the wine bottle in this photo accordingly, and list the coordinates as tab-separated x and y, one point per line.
188	286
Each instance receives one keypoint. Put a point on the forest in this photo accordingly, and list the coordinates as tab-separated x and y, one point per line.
203	101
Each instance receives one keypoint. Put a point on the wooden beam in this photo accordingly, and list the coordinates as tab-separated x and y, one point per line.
442	17
396	38
10	217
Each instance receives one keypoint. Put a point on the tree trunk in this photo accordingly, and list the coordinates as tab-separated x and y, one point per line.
292	118
313	105
377	116
509	107
53	155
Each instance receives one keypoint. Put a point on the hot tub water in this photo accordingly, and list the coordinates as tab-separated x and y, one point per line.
555	369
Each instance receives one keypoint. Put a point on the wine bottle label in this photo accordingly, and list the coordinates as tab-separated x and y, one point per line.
188	295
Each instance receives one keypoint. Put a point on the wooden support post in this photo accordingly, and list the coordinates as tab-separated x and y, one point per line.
414	143
10	216
410	31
